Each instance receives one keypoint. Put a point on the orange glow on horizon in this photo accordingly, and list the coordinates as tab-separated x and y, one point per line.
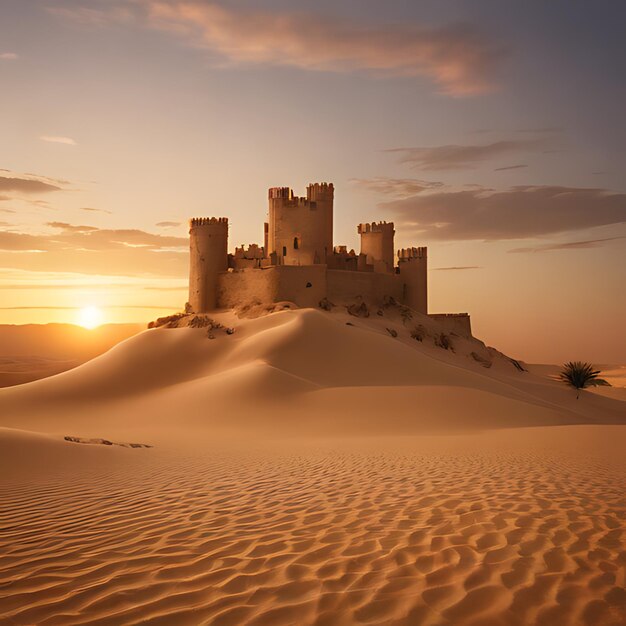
90	317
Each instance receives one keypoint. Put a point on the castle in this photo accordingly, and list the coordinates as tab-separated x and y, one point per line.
299	263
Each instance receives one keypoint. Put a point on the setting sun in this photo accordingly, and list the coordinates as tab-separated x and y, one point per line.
90	317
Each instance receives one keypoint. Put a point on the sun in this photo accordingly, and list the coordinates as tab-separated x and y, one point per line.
90	317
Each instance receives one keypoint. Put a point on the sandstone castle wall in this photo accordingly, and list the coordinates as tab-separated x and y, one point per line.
299	263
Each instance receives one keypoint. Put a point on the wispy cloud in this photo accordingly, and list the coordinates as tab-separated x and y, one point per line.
8	56
456	268
68	141
24	279
94	16
517	213
457	157
93	210
26	185
570	245
94	250
71	228
395	187
510	167
460	59
167	224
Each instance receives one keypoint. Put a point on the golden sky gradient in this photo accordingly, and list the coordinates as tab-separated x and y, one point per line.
494	135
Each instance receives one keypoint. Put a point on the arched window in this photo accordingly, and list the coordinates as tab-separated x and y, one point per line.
296	243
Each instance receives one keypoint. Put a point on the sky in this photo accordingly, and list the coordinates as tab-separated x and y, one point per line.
491	132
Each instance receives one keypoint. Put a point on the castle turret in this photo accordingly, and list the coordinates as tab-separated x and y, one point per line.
413	267
323	195
377	244
208	257
300	230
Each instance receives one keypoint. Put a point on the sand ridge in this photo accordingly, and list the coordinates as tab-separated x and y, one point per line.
399	532
295	478
297	370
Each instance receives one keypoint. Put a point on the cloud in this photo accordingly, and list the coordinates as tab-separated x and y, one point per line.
94	16
71	228
167	224
458	157
93	238
570	245
455	268
26	185
8	56
546	130
48	179
68	141
89	238
460	59
92	210
95	251
509	167
517	213
396	187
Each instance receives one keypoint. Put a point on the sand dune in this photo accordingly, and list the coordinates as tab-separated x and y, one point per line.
482	529
35	351
310	469
342	376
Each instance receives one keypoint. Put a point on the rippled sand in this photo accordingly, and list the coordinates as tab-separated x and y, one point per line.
516	527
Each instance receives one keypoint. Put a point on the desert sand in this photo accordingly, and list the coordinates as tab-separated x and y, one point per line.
311	467
33	351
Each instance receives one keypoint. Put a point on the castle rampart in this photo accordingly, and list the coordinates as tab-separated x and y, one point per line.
377	244
413	269
299	263
458	323
208	248
303	285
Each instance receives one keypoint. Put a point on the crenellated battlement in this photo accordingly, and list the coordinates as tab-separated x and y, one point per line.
280	192
343	250
322	186
412	253
208	221
376	227
251	251
320	191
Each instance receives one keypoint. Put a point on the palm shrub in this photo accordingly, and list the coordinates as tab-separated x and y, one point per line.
579	375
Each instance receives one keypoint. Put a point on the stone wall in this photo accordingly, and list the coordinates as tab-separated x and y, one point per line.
303	285
371	286
458	323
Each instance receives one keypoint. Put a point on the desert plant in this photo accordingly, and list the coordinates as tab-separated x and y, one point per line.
579	375
443	341
418	333
359	310
326	304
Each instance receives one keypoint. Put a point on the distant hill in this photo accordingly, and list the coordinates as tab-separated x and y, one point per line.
33	351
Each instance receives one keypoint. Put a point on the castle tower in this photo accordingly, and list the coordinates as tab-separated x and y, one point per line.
208	257
377	245
413	267
322	195
300	230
